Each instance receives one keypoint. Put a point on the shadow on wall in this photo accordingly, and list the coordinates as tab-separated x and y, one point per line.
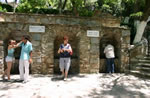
103	42
74	42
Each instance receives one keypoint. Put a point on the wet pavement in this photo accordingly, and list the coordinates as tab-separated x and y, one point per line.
77	86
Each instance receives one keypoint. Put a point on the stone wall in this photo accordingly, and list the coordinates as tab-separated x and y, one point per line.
113	35
124	49
87	50
1	57
120	39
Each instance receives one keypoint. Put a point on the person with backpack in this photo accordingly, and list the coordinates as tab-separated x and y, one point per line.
65	52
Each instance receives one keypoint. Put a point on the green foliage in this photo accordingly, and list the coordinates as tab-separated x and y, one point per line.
132	6
45	11
82	7
85	12
121	7
1	10
34	3
78	3
137	15
110	6
53	3
106	8
27	6
24	7
5	8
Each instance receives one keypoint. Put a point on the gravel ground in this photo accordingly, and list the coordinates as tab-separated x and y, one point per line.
77	86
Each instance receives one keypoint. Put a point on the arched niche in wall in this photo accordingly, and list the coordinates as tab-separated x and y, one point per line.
13	36
115	41
74	42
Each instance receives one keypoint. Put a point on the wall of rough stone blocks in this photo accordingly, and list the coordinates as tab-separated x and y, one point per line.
125	40
1	57
87	50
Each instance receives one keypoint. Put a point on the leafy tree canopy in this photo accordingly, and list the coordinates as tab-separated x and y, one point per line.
132	8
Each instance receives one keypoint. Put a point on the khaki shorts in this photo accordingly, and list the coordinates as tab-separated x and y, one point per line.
64	63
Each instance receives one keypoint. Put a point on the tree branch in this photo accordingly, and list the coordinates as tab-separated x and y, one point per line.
65	2
146	12
6	1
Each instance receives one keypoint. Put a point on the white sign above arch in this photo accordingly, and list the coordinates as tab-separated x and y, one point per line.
92	33
40	29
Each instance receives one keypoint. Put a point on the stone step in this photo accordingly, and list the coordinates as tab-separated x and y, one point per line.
145	65
144	60
136	59
145	69
140	61
140	74
148	54
140	64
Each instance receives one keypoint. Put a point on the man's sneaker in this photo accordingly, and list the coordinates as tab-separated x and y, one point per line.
25	81
10	81
65	79
19	80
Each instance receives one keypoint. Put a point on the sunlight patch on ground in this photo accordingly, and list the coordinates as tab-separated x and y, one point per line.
77	86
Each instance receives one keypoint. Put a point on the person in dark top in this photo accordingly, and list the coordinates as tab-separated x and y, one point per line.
65	52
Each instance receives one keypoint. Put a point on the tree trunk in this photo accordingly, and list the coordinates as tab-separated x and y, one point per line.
15	1
84	2
73	4
136	6
60	6
146	12
6	1
141	26
139	31
74	8
65	2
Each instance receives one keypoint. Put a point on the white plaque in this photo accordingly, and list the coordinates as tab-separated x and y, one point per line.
92	33
36	28
39	60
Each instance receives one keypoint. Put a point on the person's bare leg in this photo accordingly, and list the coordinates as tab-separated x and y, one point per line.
63	74
9	64
66	74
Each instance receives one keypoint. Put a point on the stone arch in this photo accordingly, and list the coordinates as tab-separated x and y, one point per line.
6	38
74	42
115	41
15	68
112	41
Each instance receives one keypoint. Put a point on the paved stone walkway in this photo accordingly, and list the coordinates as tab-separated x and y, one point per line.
78	86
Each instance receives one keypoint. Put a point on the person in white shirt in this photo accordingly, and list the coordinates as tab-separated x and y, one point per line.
110	55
